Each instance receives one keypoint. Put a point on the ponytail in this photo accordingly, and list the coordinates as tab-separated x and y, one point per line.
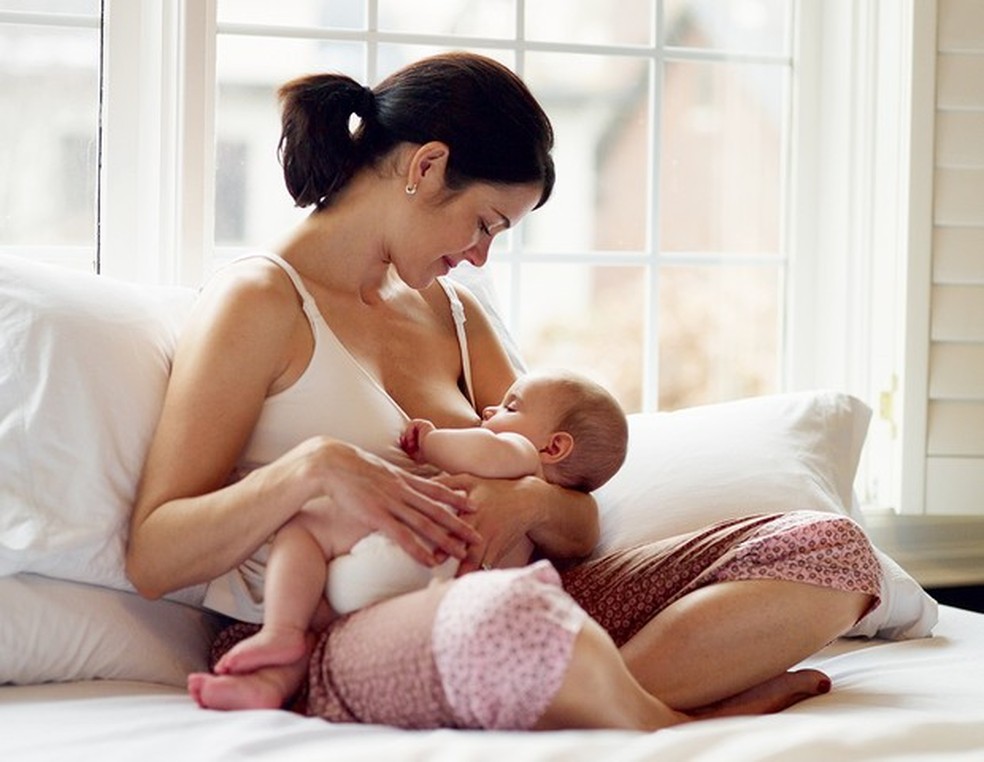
493	126
318	152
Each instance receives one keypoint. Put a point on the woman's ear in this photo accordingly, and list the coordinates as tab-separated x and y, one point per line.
558	447
428	166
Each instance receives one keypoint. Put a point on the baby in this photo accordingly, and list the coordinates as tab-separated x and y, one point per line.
558	426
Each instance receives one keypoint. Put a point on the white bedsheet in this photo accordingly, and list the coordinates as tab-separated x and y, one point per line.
910	700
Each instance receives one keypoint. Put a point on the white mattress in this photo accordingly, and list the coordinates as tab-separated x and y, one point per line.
912	700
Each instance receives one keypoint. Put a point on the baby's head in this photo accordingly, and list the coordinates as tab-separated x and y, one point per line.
577	425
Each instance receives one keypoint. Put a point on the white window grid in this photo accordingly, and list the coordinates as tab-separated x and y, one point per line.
657	55
181	231
155	210
74	256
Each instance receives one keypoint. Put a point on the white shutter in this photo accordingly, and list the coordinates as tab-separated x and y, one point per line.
955	423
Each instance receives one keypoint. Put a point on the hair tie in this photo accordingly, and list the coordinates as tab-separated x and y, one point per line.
365	103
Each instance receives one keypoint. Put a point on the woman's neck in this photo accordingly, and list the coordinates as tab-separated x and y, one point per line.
341	248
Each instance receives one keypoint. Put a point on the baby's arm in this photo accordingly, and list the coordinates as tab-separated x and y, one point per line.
475	451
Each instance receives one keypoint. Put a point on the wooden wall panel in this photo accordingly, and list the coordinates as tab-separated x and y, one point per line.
956	429
955	486
958	253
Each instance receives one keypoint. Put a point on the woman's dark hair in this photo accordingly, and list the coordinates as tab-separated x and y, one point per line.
495	129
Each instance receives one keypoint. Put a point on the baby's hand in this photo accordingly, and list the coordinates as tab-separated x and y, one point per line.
412	439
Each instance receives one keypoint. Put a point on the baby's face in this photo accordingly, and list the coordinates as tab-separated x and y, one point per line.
528	408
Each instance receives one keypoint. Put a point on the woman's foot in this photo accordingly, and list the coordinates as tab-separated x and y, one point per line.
270	647
772	696
258	690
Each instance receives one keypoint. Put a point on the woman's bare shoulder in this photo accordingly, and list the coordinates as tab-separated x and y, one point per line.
255	283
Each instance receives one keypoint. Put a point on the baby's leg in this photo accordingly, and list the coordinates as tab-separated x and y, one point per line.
294	585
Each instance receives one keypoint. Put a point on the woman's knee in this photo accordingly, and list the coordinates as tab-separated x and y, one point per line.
503	642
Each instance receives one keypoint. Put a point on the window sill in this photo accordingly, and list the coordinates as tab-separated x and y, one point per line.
938	551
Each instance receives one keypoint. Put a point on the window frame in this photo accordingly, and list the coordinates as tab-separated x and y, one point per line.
860	216
75	256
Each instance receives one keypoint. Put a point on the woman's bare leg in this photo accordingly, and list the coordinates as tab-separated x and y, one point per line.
598	691
728	638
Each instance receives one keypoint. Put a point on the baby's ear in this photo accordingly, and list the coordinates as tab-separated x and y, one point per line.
558	447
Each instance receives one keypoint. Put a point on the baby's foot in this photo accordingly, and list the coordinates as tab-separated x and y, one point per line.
270	647
252	691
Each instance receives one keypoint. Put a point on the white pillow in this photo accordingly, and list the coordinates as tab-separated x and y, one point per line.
690	468
85	361
699	465
52	630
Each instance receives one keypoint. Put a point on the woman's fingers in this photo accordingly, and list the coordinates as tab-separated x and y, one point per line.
455	497
434	521
420	515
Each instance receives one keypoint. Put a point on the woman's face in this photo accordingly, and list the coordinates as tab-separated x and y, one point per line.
439	236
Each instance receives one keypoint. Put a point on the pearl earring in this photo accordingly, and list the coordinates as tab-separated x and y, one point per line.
411	189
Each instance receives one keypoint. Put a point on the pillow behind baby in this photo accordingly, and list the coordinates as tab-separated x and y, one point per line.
84	362
692	467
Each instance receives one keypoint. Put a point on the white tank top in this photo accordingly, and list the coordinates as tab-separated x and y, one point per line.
336	396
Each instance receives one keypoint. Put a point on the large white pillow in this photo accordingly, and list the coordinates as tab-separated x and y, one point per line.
53	631
84	362
690	468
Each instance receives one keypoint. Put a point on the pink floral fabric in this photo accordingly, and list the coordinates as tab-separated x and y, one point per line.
490	650
502	643
625	589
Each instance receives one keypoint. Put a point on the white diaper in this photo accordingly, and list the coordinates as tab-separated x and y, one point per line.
376	569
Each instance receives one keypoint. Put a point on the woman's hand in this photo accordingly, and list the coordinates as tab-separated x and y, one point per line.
560	522
419	514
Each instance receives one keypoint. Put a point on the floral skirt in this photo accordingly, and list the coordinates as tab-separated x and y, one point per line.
490	650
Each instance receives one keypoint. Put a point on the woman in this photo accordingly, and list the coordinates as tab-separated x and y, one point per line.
311	361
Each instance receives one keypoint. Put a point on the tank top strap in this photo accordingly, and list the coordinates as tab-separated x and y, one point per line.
309	306
458	315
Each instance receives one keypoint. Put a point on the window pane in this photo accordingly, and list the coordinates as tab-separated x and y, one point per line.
600	109
74	7
252	206
587	319
746	26
471	18
330	14
49	79
720	163
629	22
719	331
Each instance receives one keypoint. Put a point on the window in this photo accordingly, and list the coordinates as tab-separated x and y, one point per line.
49	140
719	225
659	264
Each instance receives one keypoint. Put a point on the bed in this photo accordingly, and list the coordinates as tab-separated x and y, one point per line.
89	670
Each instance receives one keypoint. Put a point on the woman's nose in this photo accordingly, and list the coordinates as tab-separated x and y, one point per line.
478	254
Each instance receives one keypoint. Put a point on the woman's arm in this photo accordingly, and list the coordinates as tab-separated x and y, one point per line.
562	523
246	339
186	528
